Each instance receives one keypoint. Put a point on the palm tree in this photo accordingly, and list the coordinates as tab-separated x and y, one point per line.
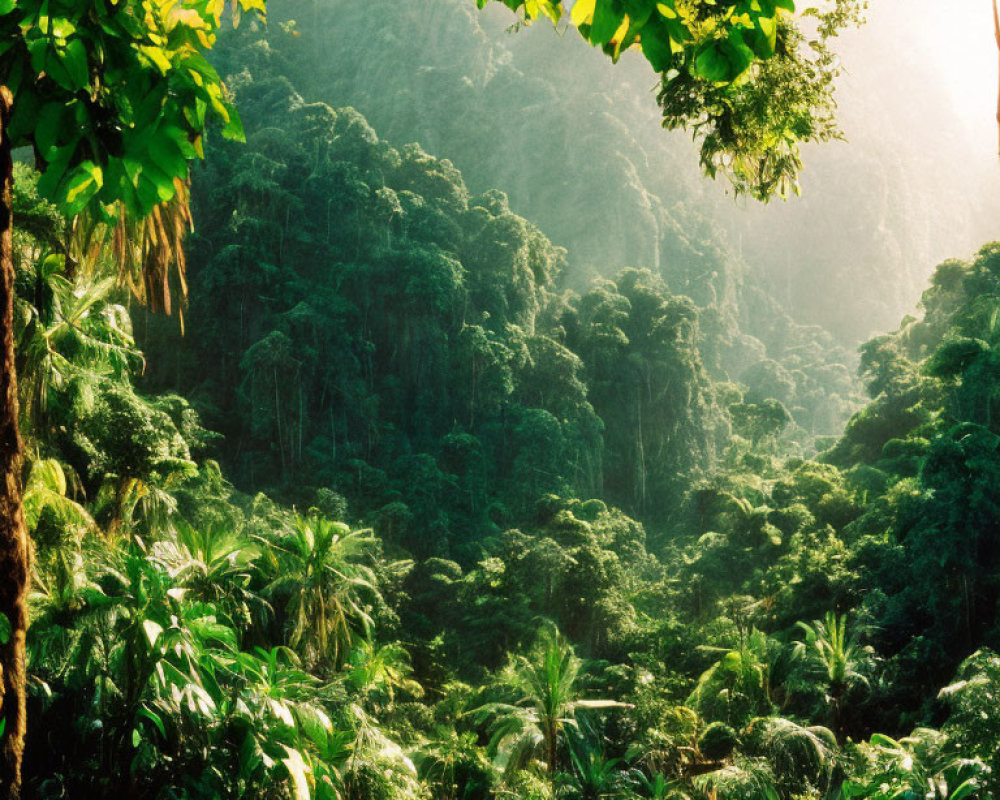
138	639
215	564
377	761
545	695
382	669
838	658
453	765
660	788
741	779
738	686
76	335
592	775
57	524
800	756
326	588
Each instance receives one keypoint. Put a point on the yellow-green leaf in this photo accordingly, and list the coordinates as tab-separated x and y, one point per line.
583	12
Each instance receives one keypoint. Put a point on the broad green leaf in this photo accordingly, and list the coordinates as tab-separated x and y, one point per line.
48	127
74	59
233	129
281	711
583	11
152	630
678	32
739	55
964	790
606	21
723	60
314	723
155	719
167	156
61	28
655	43
181	140
762	39
158	56
58	161
161	183
82	184
638	11
298	771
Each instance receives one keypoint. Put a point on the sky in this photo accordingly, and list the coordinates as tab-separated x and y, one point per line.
956	38
961	42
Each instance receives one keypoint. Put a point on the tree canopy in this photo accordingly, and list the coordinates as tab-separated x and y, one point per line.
114	99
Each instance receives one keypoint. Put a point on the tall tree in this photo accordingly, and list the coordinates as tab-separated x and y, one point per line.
546	695
321	575
113	99
838	657
13	534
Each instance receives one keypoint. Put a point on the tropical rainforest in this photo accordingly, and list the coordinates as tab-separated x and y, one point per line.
469	446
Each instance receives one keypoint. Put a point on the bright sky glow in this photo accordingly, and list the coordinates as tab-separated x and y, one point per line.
955	39
960	39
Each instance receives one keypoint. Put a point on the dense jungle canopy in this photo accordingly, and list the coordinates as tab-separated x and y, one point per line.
401	413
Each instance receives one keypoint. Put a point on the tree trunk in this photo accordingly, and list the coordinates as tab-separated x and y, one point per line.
996	33
551	749
13	534
277	423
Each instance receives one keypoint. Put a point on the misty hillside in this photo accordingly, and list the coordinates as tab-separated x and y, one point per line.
579	149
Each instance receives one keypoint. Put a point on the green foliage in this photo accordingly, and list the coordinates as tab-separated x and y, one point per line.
973	722
717	741
920	765
421	362
317	571
828	647
544	701
399	356
737	687
113	100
